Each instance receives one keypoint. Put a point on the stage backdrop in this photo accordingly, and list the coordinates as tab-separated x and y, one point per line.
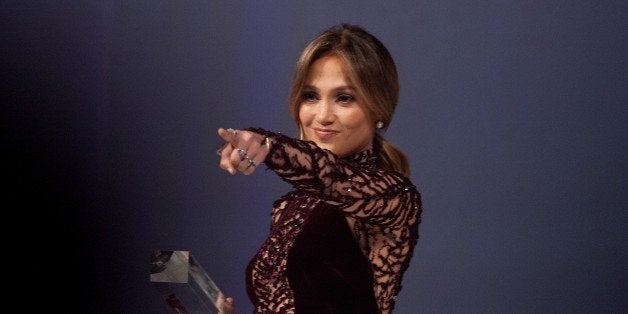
512	113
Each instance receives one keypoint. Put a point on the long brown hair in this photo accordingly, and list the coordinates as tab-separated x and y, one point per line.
370	67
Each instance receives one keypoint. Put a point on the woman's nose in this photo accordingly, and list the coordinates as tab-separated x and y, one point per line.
325	114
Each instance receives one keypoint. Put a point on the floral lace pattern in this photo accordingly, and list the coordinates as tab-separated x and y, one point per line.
382	208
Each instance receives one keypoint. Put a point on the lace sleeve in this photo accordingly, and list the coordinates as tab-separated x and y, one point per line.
363	190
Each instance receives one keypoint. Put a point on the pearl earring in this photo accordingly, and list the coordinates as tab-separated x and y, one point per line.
379	124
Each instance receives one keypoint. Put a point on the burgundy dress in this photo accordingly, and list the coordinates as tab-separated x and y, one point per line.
341	240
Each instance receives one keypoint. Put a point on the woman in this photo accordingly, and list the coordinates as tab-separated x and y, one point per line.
341	240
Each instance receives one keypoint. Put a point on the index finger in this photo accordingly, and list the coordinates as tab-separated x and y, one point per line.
228	135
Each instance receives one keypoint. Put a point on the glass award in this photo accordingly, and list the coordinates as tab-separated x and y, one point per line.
183	284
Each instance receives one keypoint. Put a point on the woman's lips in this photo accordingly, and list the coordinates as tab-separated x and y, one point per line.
324	134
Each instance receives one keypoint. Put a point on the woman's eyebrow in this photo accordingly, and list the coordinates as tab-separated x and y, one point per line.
336	89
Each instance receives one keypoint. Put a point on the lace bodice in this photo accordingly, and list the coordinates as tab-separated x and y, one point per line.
382	209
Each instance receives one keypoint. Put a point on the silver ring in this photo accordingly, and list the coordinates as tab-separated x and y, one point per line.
251	163
242	153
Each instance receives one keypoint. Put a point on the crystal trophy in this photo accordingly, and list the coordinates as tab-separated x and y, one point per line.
183	283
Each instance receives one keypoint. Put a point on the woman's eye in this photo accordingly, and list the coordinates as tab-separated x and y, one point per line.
309	96
345	98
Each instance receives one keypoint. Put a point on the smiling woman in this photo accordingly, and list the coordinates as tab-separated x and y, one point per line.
342	239
331	113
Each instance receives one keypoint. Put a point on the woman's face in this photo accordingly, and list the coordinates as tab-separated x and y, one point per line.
331	113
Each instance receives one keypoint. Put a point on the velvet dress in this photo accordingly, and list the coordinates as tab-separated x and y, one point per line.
340	241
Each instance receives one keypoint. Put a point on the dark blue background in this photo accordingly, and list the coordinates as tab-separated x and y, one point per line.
513	115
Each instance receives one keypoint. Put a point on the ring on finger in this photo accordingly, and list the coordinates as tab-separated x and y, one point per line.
251	163
242	154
